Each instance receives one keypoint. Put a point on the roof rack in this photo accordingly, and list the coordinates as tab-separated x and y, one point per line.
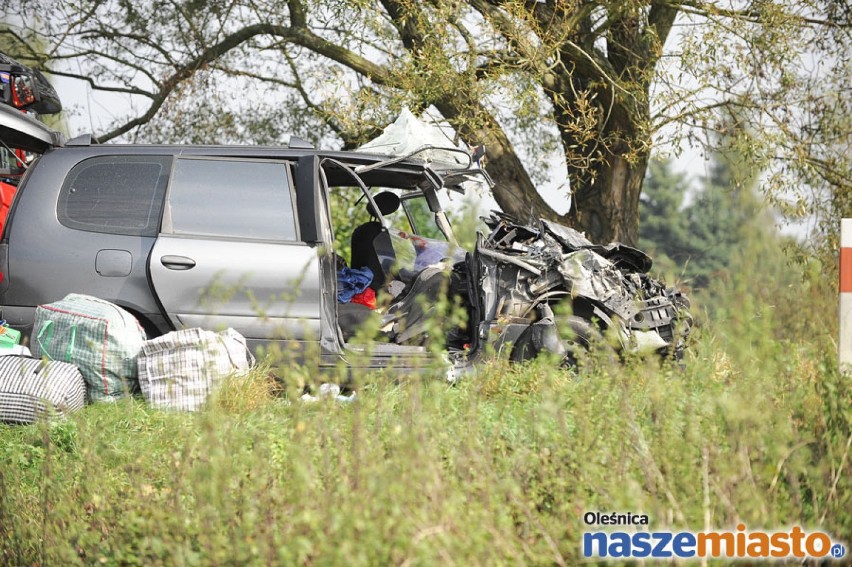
82	140
297	143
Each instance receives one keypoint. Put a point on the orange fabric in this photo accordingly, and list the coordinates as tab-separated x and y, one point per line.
366	297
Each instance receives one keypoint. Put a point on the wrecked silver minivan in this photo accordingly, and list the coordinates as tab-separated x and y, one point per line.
244	237
527	287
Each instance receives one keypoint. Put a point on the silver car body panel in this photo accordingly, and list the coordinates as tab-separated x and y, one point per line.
43	260
264	290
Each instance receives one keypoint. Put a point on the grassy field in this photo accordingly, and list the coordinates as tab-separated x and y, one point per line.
496	470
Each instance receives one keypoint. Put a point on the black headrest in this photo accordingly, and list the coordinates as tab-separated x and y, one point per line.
387	203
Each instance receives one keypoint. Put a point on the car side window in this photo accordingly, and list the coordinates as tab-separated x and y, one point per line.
115	194
231	198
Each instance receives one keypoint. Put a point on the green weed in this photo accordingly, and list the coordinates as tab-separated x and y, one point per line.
498	469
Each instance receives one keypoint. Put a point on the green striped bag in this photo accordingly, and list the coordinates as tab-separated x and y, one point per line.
100	338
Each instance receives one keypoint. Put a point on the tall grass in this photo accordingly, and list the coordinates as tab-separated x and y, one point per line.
498	469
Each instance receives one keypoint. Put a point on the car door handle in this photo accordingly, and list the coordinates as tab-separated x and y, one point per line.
177	262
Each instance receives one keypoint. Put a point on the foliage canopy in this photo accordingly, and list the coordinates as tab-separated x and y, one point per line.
597	83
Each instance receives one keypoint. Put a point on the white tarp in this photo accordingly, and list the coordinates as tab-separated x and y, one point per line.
408	134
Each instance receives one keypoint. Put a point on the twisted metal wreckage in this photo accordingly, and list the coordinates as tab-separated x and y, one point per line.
517	275
527	269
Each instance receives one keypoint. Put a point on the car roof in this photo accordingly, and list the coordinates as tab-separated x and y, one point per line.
406	174
18	130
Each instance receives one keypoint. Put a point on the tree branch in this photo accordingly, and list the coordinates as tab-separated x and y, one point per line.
298	15
103	55
750	15
97	87
661	18
297	36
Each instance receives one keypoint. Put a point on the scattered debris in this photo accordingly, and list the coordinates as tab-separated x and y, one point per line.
328	391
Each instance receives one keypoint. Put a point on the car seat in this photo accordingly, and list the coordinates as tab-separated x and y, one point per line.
370	242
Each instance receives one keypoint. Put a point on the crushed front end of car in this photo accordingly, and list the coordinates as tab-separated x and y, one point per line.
526	288
544	287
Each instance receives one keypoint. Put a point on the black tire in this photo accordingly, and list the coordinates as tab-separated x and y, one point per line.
569	338
578	334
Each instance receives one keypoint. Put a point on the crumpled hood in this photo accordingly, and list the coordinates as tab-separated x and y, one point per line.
525	268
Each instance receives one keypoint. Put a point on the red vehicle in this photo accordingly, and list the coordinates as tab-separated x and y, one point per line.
28	91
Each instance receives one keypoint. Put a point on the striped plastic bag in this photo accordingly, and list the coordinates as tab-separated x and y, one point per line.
32	388
100	338
181	369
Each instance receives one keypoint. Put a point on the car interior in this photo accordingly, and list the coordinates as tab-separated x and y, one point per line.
398	237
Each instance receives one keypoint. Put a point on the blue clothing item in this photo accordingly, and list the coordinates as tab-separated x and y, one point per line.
351	282
429	253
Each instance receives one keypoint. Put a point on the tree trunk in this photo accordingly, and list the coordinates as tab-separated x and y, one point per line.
608	209
513	189
605	205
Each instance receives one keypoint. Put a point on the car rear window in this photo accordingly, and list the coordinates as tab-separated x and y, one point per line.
232	198
115	194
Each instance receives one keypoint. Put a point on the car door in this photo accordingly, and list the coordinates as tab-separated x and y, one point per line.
229	252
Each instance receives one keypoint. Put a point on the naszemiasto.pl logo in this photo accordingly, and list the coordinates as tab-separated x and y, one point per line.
739	543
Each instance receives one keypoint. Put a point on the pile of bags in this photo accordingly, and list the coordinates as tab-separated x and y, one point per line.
85	349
